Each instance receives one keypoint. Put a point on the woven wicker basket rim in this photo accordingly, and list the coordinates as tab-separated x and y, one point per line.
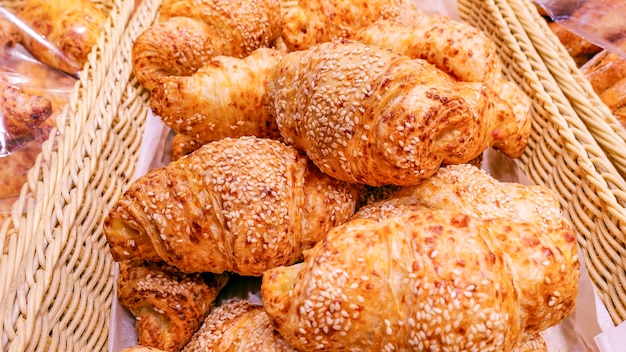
34	240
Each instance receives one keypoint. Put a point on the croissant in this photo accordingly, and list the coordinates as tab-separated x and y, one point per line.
65	31
369	115
188	34
183	145
471	191
20	112
239	205
237	325
401	275
225	98
456	48
169	305
316	21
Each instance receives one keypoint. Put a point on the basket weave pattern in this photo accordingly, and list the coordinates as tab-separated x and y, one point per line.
563	153
55	269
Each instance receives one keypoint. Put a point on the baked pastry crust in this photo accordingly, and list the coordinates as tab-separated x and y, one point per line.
169	306
241	205
369	115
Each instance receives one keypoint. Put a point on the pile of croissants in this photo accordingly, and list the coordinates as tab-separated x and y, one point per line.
326	146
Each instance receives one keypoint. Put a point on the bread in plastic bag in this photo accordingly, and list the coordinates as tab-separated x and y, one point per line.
601	22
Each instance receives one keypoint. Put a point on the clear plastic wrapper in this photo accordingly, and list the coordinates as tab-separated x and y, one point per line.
43	46
32	95
602	22
57	33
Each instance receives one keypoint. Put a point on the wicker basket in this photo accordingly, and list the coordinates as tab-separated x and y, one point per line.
55	275
562	152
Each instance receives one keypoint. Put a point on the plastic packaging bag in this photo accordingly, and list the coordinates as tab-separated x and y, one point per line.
32	95
602	22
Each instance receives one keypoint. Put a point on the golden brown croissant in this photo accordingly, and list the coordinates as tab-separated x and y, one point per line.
316	21
458	49
240	205
369	115
188	34
225	98
168	304
240	326
20	112
401	275
615	96
471	191
70	26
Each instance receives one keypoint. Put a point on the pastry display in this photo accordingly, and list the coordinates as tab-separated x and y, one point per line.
239	205
238	325
323	147
405	275
168	304
235	107
370	115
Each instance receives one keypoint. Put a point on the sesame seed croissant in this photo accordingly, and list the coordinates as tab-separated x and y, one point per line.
458	49
369	115
471	191
238	326
189	33
402	275
168	304
225	98
240	205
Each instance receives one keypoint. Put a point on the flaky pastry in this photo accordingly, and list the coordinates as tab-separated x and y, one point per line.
369	115
241	205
